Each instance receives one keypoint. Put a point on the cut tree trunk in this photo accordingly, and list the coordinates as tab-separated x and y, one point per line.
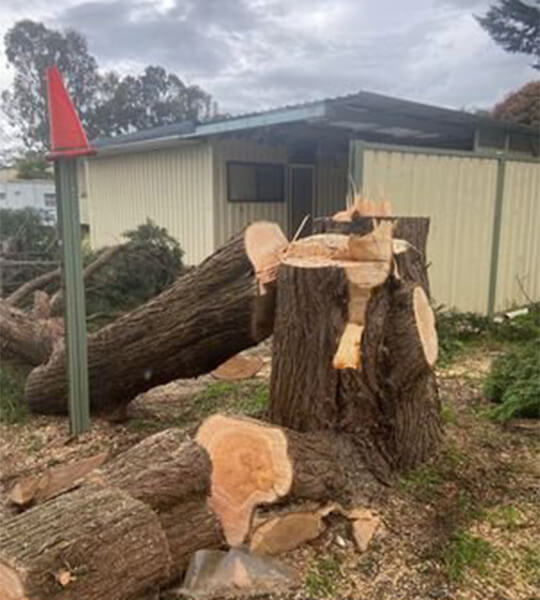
86	545
213	312
355	343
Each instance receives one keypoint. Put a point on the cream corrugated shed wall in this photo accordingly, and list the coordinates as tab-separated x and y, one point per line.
519	254
457	193
230	217
171	187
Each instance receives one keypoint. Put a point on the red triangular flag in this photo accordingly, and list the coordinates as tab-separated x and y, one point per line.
66	133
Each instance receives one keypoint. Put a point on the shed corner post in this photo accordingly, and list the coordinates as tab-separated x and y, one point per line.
356	166
496	235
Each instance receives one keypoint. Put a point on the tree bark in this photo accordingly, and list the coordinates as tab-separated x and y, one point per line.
353	353
25	338
86	545
210	314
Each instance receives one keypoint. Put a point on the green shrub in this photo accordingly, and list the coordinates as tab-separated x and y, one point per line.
150	263
514	382
457	329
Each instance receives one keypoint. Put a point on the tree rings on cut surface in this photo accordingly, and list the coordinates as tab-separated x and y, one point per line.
250	466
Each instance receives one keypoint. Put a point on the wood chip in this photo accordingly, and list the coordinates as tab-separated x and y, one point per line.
238	367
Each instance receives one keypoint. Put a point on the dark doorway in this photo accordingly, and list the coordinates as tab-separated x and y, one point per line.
301	196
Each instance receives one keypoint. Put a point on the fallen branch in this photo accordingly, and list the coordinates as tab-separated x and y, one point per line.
210	314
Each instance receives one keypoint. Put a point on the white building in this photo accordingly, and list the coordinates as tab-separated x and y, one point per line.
24	193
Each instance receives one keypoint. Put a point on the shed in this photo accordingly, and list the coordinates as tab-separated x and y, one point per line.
476	177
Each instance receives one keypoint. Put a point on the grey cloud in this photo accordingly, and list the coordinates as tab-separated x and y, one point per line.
252	54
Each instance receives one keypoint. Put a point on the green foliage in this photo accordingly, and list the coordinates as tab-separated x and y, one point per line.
12	407
514	25
150	262
463	552
514	382
240	397
107	103
521	106
456	330
26	231
33	165
459	330
321	578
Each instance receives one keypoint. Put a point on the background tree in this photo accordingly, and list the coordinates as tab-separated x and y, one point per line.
108	103
521	106
515	25
30	48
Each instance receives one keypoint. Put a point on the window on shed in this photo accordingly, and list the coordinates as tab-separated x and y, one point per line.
50	199
255	182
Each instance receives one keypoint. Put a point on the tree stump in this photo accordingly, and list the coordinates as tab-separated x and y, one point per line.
355	341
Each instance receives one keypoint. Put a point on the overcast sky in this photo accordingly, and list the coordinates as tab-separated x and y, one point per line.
255	54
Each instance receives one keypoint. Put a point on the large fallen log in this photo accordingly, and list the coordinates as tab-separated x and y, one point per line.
213	312
355	341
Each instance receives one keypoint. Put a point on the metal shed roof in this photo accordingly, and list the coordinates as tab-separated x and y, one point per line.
361	114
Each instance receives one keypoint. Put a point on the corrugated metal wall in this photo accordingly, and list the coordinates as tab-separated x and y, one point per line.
519	255
171	187
230	217
457	193
331	186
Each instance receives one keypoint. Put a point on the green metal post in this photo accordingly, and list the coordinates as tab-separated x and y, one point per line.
496	236
67	203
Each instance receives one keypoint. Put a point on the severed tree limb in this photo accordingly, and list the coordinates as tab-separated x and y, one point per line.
57	299
210	314
38	283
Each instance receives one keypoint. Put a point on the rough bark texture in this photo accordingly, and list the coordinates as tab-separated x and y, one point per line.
25	338
208	315
171	475
389	405
86	545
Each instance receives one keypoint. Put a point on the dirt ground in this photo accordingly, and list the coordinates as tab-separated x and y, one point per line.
466	526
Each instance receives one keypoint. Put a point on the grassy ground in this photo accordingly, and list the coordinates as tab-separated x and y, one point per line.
465	526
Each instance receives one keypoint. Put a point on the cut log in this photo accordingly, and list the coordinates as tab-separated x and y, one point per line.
55	481
172	475
208	315
86	545
26	339
255	463
137	519
354	344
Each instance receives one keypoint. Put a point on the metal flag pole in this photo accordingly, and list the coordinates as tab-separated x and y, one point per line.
68	141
